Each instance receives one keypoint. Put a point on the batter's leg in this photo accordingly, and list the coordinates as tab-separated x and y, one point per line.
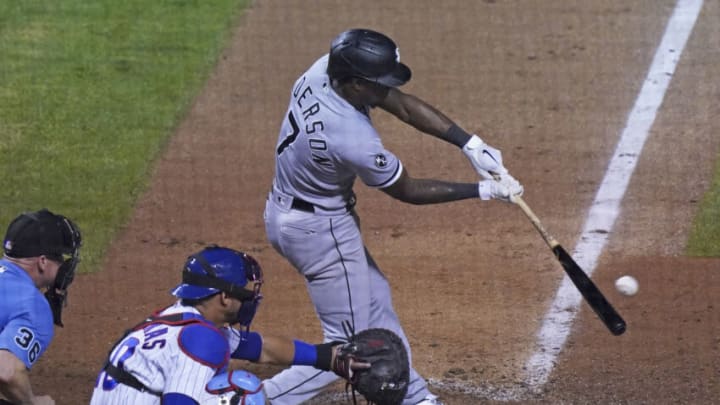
297	384
300	383
382	315
329	253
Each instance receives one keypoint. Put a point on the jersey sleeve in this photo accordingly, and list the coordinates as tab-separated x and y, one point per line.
376	166
29	330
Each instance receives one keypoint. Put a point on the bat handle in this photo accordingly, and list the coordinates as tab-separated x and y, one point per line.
552	242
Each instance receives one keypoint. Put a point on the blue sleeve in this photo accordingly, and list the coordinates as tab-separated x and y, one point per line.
204	344
29	329
174	398
249	348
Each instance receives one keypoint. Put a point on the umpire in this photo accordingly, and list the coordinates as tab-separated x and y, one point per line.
41	255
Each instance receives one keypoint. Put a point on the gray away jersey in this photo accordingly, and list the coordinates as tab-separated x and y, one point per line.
324	143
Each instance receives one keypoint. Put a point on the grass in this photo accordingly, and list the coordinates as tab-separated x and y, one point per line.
705	236
90	92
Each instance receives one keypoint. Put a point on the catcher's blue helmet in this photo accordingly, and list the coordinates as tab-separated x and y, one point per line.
215	269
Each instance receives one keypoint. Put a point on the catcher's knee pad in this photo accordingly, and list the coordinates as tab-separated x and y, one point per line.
235	387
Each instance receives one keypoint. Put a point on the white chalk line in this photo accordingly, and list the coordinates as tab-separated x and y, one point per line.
604	211
605	208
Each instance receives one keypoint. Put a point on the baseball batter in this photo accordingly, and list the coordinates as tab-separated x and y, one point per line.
171	356
326	141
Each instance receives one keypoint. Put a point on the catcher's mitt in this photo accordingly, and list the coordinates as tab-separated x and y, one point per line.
386	381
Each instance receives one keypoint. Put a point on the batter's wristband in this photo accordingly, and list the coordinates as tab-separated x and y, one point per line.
457	136
324	356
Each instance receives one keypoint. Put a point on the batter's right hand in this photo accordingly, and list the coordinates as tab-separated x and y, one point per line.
493	190
513	186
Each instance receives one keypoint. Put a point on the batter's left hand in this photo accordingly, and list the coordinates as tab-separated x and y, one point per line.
485	159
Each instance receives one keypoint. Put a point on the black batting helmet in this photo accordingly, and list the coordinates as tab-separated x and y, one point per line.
369	55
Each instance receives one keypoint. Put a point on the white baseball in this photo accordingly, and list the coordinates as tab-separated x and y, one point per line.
627	285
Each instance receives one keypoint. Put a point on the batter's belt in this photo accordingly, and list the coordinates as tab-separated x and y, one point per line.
288	202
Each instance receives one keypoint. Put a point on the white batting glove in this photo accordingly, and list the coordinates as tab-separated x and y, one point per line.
493	190
485	159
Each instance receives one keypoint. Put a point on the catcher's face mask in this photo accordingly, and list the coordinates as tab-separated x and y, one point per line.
250	304
57	238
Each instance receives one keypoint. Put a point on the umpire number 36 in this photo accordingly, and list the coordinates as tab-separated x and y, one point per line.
25	339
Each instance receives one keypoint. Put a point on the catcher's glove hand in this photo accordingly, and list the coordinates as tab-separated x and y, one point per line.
385	381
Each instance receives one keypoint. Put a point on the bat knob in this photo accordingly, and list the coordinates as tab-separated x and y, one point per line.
618	328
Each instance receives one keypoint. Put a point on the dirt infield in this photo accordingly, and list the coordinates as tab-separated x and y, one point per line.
550	83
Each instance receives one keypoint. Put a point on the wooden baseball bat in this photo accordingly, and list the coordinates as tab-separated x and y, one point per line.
597	301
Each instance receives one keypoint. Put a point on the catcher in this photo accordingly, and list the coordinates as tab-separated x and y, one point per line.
170	357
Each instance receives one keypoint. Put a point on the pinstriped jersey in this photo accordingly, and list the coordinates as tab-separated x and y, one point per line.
325	143
155	355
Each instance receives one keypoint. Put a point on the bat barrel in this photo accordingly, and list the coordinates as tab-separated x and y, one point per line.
597	301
